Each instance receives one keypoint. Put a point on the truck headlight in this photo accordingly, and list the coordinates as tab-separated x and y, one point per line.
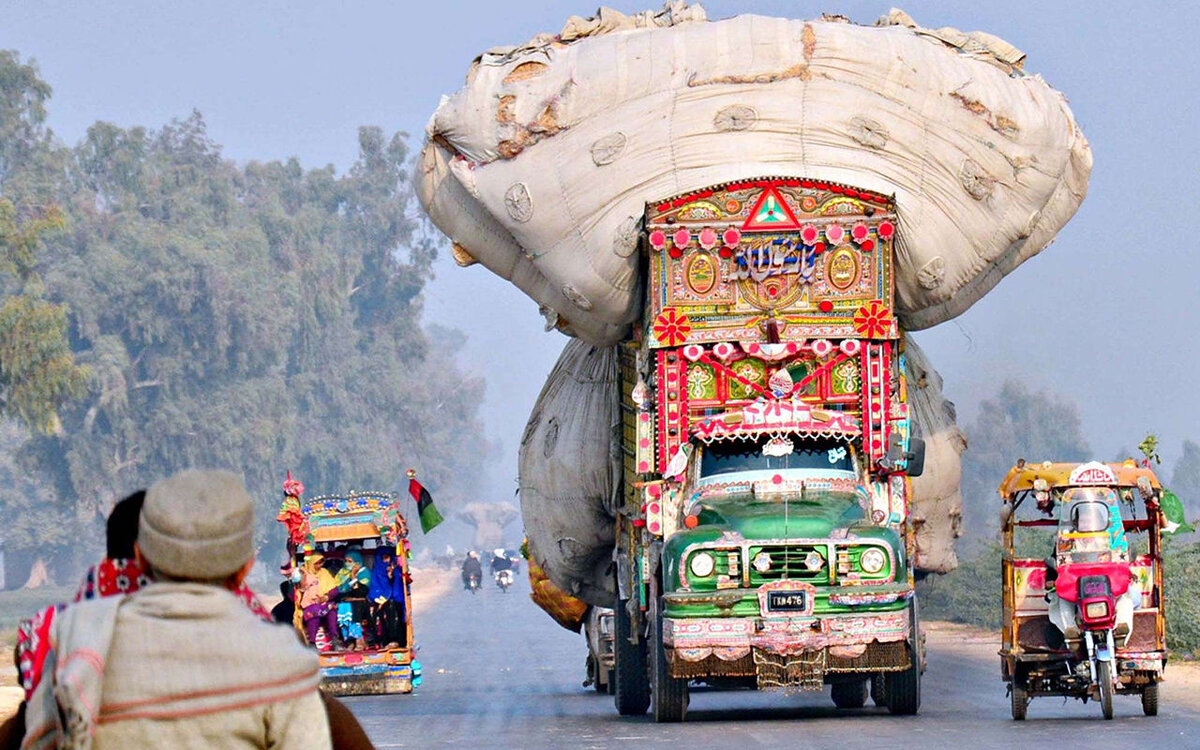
702	564
872	560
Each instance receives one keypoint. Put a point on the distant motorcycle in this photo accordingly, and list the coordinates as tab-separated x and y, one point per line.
472	583
504	579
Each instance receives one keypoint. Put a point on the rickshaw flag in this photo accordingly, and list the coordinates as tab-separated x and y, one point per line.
1172	508
427	511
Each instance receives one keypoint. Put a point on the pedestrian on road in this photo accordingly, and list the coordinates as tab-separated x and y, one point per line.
182	663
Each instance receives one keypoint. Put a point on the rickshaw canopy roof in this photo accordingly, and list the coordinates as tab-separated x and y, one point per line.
1059	475
358	515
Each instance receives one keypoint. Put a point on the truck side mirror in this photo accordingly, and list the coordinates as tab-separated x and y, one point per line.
916	456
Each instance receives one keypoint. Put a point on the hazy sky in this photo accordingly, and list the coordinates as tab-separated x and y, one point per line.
1106	316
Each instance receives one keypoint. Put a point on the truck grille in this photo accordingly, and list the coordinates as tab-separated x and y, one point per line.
790	562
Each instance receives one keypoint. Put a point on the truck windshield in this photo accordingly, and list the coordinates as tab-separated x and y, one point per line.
728	457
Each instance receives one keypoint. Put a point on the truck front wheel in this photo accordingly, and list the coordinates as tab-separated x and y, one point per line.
878	694
902	690
631	689
670	693
849	694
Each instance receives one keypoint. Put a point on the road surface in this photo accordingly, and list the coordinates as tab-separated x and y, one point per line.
500	674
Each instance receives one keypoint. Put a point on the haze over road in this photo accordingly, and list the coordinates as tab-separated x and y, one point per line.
511	679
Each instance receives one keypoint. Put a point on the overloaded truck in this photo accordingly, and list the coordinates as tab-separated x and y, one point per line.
763	537
737	223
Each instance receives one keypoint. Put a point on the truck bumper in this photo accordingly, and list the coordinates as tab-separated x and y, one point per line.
797	652
695	638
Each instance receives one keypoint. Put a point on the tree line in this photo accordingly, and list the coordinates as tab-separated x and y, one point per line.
165	307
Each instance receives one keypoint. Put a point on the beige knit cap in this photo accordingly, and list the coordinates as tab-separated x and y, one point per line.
197	525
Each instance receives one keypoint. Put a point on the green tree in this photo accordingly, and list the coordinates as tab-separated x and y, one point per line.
1185	478
38	373
260	317
1016	423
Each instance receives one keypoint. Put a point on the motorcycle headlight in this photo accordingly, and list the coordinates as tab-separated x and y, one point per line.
1096	610
702	564
872	560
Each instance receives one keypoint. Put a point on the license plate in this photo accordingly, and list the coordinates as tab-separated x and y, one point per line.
787	601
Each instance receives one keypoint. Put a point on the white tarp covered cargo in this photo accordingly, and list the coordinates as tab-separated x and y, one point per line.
541	166
570	464
570	470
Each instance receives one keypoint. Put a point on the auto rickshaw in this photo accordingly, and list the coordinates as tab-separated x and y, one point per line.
1083	583
371	650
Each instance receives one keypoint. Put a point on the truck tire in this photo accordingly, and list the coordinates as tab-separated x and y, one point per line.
1104	677
903	689
631	688
1150	699
849	694
593	673
670	693
1020	702
878	693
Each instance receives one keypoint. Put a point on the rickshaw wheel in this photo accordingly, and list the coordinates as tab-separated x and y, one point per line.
1104	677
1150	699
1020	702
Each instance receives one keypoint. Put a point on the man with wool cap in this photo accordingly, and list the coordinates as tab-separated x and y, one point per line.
182	663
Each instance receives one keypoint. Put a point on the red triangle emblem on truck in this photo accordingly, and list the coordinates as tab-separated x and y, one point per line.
770	212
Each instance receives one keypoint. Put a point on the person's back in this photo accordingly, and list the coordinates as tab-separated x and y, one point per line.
190	667
182	663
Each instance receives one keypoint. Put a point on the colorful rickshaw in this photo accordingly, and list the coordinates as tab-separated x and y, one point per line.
350	570
1083	598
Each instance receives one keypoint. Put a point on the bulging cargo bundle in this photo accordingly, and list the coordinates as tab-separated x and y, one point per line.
541	166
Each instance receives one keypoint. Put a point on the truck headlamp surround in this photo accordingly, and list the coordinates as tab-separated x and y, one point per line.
872	560
702	564
762	562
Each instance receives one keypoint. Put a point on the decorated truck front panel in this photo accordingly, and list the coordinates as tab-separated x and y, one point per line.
767	434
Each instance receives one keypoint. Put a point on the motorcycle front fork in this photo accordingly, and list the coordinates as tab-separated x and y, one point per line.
1106	653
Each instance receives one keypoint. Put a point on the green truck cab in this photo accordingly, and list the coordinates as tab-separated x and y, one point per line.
763	537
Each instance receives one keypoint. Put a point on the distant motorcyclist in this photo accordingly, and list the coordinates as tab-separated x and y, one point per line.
500	560
471	567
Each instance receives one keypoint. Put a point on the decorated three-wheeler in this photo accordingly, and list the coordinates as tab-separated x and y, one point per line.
1083	583
349	576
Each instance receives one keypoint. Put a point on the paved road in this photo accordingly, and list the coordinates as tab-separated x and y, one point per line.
500	674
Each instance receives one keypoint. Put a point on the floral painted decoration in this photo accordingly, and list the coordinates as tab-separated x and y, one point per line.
672	327
873	320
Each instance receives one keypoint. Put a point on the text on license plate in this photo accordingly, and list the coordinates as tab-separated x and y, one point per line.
787	601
